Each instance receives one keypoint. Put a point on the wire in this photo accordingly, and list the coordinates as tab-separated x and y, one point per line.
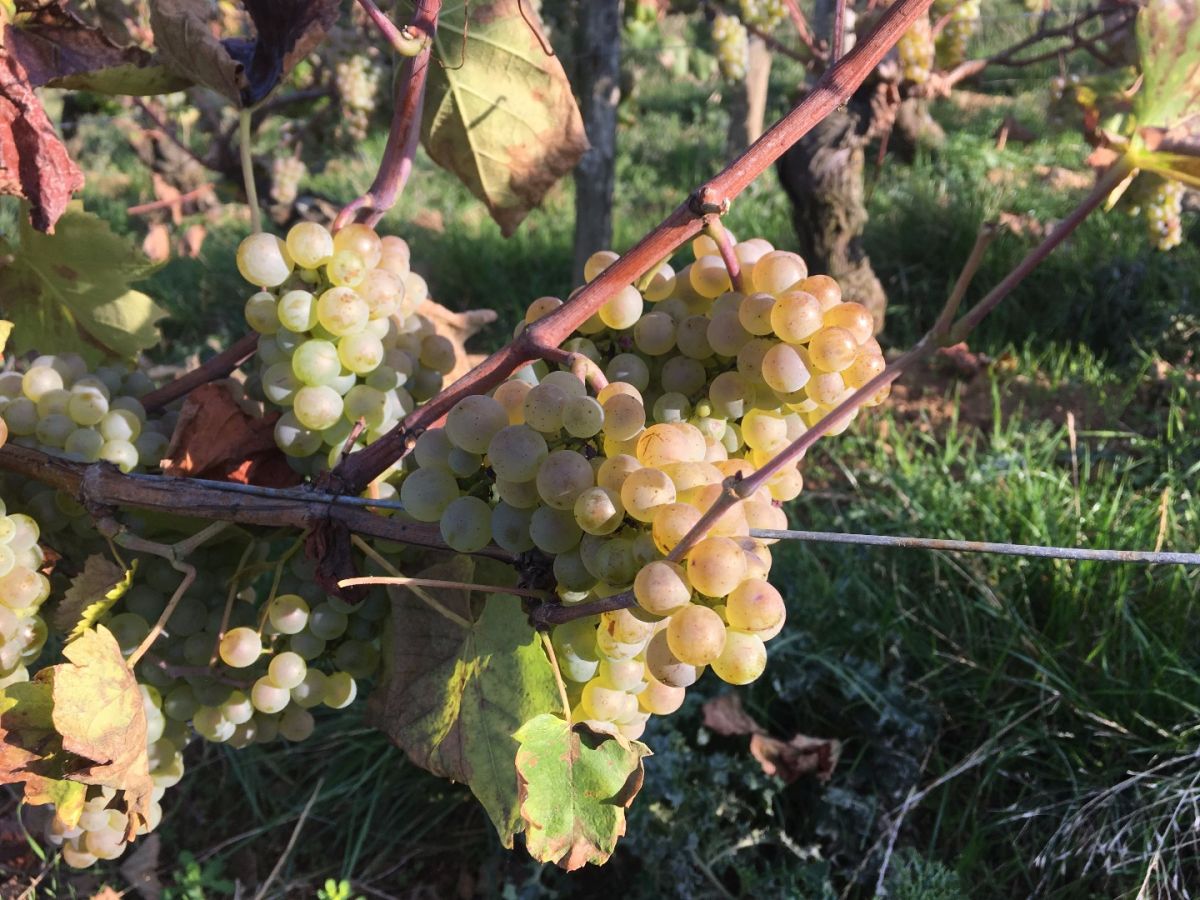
919	543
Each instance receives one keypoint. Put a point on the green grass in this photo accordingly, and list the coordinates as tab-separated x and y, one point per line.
1047	710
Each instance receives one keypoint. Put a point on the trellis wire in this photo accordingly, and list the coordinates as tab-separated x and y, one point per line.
1002	549
1151	557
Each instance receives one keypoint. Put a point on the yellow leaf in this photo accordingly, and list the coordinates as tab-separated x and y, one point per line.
92	593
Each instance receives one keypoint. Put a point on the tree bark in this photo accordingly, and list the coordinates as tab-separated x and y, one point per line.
823	176
598	83
748	100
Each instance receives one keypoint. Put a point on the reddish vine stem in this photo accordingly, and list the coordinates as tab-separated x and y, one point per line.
736	489
216	367
837	84
838	44
715	230
405	131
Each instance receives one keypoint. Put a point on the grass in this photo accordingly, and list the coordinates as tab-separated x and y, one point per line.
1046	710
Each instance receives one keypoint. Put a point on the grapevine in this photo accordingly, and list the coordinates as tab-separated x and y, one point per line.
733	46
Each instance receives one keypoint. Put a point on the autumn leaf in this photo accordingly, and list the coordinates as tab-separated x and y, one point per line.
786	760
75	724
574	787
70	291
92	593
1168	103
458	685
34	164
59	49
499	111
215	438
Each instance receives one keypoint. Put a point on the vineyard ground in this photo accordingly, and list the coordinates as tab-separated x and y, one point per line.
1031	689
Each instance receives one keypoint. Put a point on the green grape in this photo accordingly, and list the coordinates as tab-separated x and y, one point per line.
316	362
784	370
341	311
288	613
317	407
326	622
312	690
597	263
293	438
666	667
732	45
260	313
543	408
368	404
296	724
287	669
554	530
340	690
280	384
269	697
437	353
310	244
598	511
660	699
474	421
466	524
624	416
361	240
563	476
84	444
263	260
120	425
742	659
356	658
297	311
662	587
516	453
426	493
240	647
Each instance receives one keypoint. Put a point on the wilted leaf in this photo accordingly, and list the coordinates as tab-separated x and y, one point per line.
215	438
788	760
285	32
575	785
458	328
34	164
242	70
98	711
70	291
190	49
140	868
452	697
6	328
92	593
58	48
75	724
499	111
1168	103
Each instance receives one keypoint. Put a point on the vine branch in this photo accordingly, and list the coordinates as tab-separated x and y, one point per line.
216	367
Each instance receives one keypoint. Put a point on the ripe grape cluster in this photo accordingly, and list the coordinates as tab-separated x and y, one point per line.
701	383
961	27
286	174
340	342
23	590
1164	213
916	50
762	14
732	44
357	80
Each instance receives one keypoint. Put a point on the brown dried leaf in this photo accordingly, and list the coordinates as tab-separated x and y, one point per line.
157	243
34	164
458	327
802	755
190	49
215	438
140	868
192	241
726	715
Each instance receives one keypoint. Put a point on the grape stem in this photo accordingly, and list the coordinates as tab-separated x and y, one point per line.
216	367
440	583
737	488
246	148
405	131
715	230
834	87
581	367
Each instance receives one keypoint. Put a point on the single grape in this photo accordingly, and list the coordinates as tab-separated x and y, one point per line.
263	260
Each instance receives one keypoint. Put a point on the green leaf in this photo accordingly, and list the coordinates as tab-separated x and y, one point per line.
575	785
452	696
92	593
70	291
499	111
1168	104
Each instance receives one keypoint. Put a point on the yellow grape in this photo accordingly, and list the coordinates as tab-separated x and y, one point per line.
742	659
715	566
695	635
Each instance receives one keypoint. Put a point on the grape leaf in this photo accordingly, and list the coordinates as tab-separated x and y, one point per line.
452	696
70	291
242	70
92	593
58	48
75	724
34	164
575	785
1168	102
499	111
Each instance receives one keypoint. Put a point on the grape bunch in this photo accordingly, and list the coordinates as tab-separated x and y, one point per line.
762	14
732	45
962	25
916	50
340	341
357	81
1164	213
23	590
700	383
227	669
286	174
